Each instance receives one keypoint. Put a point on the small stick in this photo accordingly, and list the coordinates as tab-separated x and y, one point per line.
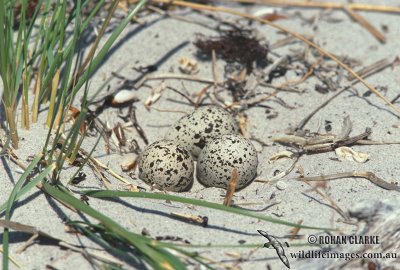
192	218
12	259
320	4
201	94
361	20
99	174
279	88
181	94
281	174
305	120
326	147
295	231
308	74
357	174
165	110
282	60
372	69
252	102
282	42
395	98
330	201
96	163
28	243
368	142
96	255
137	126
231	187
214	67
164	76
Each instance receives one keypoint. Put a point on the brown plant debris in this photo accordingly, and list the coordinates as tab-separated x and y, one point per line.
320	143
201	220
234	46
231	187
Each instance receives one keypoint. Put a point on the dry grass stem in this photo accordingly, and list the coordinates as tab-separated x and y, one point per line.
356	174
191	218
361	20
372	69
295	231
164	76
331	202
320	4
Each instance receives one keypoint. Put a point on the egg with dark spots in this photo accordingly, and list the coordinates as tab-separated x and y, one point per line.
206	123
220	156
167	166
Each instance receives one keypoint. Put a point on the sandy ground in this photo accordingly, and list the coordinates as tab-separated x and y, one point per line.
146	45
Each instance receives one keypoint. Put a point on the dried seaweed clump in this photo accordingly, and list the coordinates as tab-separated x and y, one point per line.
234	46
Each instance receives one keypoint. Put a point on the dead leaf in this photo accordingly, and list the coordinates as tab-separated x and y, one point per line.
346	153
154	96
300	170
279	155
243	123
188	66
346	129
274	17
129	161
295	230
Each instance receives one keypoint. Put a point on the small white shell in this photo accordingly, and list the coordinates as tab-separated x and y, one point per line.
123	97
129	161
166	165
203	125
219	157
281	185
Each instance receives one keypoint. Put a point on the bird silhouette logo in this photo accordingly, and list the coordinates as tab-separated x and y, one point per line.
274	243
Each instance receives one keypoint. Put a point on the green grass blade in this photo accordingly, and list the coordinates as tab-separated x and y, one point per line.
20	183
104	50
153	254
3	59
26	188
193	256
10	203
147	195
86	228
5	146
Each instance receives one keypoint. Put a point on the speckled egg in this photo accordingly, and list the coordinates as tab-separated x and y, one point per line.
167	166
219	157
203	125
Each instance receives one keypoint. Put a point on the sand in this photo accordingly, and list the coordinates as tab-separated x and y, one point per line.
148	44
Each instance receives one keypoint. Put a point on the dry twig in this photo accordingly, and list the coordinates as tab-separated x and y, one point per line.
357	174
361	20
320	4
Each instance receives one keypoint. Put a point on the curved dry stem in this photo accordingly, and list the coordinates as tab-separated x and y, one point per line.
314	4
